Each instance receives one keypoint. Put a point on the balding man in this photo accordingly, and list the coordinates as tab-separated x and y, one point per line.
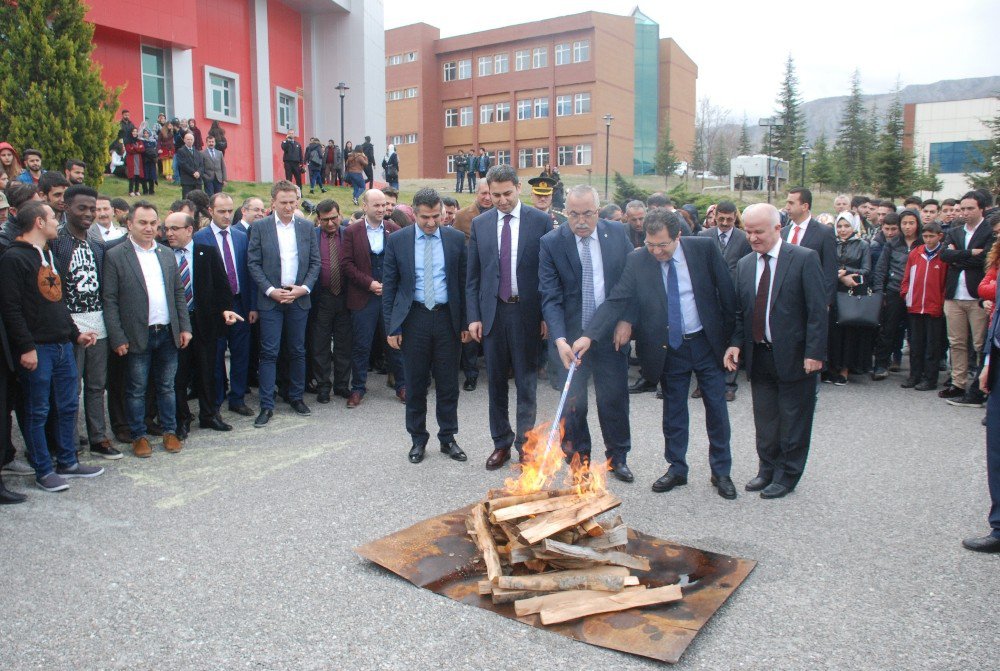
781	329
190	165
842	203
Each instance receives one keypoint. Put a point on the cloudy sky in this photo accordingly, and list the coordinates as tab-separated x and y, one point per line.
740	50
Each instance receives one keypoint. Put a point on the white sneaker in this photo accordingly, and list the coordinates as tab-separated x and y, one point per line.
18	467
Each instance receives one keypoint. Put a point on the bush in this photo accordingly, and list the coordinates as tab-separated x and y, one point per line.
626	190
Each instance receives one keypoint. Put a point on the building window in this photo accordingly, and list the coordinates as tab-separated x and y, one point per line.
503	112
411	92
411	56
288	110
485	66
522	60
451	164
583	152
411	138
564	105
501	64
450	71
523	110
541	108
958	157
465	116
450	118
222	95
581	103
396	139
565	155
486	114
524	158
156	83
465	69
562	54
581	51
539	57
393	60
503	157
541	157
394	95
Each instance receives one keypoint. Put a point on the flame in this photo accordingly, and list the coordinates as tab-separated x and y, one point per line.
542	464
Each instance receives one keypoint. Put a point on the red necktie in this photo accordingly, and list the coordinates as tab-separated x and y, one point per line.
795	234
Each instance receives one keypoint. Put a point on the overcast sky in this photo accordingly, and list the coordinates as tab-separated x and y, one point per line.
740	51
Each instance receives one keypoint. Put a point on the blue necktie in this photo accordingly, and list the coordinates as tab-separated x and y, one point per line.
675	321
429	301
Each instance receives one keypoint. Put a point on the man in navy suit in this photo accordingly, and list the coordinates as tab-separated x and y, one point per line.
232	244
579	266
683	295
504	305
804	231
283	260
423	296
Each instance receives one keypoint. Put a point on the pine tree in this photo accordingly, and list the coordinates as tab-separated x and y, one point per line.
822	169
666	160
852	139
626	190
52	94
744	148
792	134
892	168
987	175
720	163
699	156
870	148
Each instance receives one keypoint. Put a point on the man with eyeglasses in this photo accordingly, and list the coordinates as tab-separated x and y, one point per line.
330	317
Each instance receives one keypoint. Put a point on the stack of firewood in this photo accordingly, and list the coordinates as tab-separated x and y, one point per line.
547	553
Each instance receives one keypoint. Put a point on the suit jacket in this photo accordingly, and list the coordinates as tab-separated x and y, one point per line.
212	295
464	217
399	277
239	243
483	283
94	233
799	314
264	260
961	258
357	262
214	168
641	289
188	163
560	275
126	303
736	247
320	242
821	239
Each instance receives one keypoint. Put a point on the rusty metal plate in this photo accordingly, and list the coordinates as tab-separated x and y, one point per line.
436	554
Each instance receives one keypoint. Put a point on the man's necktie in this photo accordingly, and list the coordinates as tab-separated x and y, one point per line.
675	320
796	231
723	238
587	294
185	272
429	272
506	287
227	255
760	302
334	243
211	152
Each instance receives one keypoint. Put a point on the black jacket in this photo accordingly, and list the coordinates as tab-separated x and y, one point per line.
891	266
291	151
957	253
30	317
190	161
854	256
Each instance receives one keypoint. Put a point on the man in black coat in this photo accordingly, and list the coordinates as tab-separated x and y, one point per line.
805	231
781	330
369	151
190	165
291	157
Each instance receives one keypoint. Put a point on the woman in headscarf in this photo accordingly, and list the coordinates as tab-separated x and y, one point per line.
390	166
134	150
850	347
710	216
165	151
149	158
10	162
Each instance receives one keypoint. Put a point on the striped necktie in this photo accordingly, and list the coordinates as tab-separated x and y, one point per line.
589	302
185	271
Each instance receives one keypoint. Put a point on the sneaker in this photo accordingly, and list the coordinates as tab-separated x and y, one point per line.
951	391
971	399
840	380
78	470
18	467
52	483
105	450
880	374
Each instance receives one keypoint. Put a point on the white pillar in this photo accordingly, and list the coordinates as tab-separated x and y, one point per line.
182	71
260	71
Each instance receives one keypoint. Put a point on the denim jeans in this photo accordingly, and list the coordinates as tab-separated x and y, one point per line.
357	181
55	374
160	357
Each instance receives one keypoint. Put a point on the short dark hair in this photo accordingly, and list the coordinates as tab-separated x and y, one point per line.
931	201
725	207
216	196
427	197
502	173
659	219
143	204
448	201
977	196
949	201
30	152
909	213
179	205
18	193
79	190
282	185
74	163
120	204
876	203
327	205
987	195
890	218
608	211
933	227
50	180
858	201
28	215
658	200
390	192
805	195
913	200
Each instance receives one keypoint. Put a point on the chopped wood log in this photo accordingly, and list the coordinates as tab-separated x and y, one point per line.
505	499
564	564
570	536
601	557
592	528
502	596
606	579
616	537
608	604
521	554
535	604
547	524
536	565
485	587
535	508
631	581
484	540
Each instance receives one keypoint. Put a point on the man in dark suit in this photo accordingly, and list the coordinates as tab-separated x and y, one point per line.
804	231
781	329
463	222
214	173
190	166
579	265
283	260
423	304
680	293
232	244
504	305
330	318
210	302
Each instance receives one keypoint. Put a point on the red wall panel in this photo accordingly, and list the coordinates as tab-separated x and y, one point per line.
173	22
285	39
118	55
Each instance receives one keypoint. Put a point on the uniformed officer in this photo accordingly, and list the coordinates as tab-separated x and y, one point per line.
541	198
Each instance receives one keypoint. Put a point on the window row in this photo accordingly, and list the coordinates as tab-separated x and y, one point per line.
524	59
538	157
500	157
529	108
399	59
399	94
409	138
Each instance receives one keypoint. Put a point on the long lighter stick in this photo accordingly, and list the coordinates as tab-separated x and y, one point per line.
554	431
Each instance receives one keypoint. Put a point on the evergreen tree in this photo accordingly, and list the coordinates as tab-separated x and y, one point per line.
870	148
744	148
891	167
53	97
626	190
792	134
852	139
666	160
699	156
988	165
720	163
822	170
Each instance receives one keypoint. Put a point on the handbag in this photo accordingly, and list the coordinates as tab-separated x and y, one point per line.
859	309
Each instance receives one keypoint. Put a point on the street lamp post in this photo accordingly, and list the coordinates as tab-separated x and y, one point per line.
803	150
769	123
342	88
607	151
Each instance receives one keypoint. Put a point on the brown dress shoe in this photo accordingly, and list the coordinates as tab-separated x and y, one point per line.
498	458
354	400
141	448
171	443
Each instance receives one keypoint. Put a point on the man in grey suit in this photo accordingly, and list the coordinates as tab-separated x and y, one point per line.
283	261
214	174
146	313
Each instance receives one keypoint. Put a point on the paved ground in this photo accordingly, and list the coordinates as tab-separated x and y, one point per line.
237	553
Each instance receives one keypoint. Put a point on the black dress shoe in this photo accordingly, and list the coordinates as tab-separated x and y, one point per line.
323	396
215	423
416	453
982	544
620	470
909	384
311	387
263	418
724	484
775	491
757	484
8	497
241	410
498	458
641	385
342	393
300	408
470	383
452	449
668	482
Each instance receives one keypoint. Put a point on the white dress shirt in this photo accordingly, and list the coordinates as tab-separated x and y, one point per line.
515	221
962	291
156	289
376	236
598	262
689	309
802	233
773	261
288	248
232	250
110	233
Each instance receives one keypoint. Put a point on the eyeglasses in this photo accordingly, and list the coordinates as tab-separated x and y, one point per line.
333	218
652	246
722	219
581	215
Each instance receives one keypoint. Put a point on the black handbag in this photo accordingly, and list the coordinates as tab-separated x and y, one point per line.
859	309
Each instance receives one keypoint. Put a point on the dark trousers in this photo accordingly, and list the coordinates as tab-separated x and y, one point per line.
370	176
470	360
237	340
196	368
893	325
927	336
609	370
695	355
293	173
511	344
783	418
430	349
459	181
365	325
993	442
330	319
471	177
116	394
283	324
188	188
212	186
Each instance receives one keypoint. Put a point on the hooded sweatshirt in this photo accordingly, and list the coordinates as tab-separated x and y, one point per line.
32	304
